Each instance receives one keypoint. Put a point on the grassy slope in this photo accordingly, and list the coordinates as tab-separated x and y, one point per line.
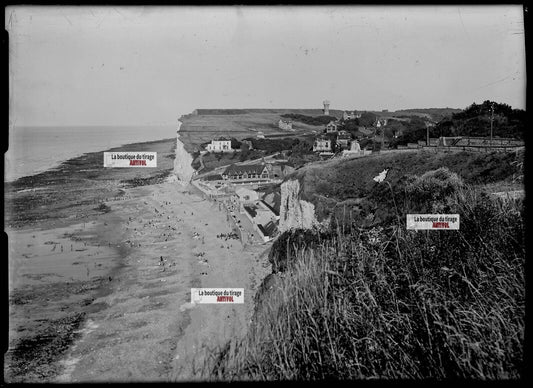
393	303
327	183
198	129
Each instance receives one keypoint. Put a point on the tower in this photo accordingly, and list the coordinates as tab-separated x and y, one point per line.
326	107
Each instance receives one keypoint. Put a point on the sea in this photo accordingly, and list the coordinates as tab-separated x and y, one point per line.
36	149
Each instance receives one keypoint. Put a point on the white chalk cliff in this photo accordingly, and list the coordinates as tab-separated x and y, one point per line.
182	162
295	212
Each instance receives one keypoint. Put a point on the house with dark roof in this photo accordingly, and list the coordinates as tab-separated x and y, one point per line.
343	140
247	172
263	218
273	201
268	230
331	127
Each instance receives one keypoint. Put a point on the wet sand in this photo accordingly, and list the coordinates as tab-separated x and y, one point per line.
105	308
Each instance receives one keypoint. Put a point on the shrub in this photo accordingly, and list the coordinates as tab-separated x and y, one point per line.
387	302
103	208
432	188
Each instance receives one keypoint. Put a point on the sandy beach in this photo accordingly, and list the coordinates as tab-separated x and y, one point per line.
104	295
149	330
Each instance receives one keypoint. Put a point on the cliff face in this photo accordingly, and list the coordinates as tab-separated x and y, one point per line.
295	212
182	162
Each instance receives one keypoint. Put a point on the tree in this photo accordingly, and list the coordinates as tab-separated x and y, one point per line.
475	120
333	138
301	147
245	151
235	144
367	119
351	125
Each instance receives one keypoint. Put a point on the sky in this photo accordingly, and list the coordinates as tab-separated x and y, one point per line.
150	65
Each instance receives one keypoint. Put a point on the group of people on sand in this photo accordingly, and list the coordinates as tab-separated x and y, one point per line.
227	236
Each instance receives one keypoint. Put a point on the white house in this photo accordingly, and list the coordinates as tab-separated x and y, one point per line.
355	147
322	144
355	151
219	144
282	124
381	122
351	115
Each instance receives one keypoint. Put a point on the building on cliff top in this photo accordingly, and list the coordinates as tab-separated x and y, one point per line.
355	151
285	124
331	127
220	144
322	144
350	115
343	140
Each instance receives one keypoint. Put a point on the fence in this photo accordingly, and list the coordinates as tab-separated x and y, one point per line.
476	148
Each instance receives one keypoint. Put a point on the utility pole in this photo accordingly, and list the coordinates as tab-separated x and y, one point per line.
491	120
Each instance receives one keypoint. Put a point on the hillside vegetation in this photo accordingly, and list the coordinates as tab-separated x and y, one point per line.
355	302
410	125
435	114
475	121
339	184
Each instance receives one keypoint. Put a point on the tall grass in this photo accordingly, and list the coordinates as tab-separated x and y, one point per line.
387	302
